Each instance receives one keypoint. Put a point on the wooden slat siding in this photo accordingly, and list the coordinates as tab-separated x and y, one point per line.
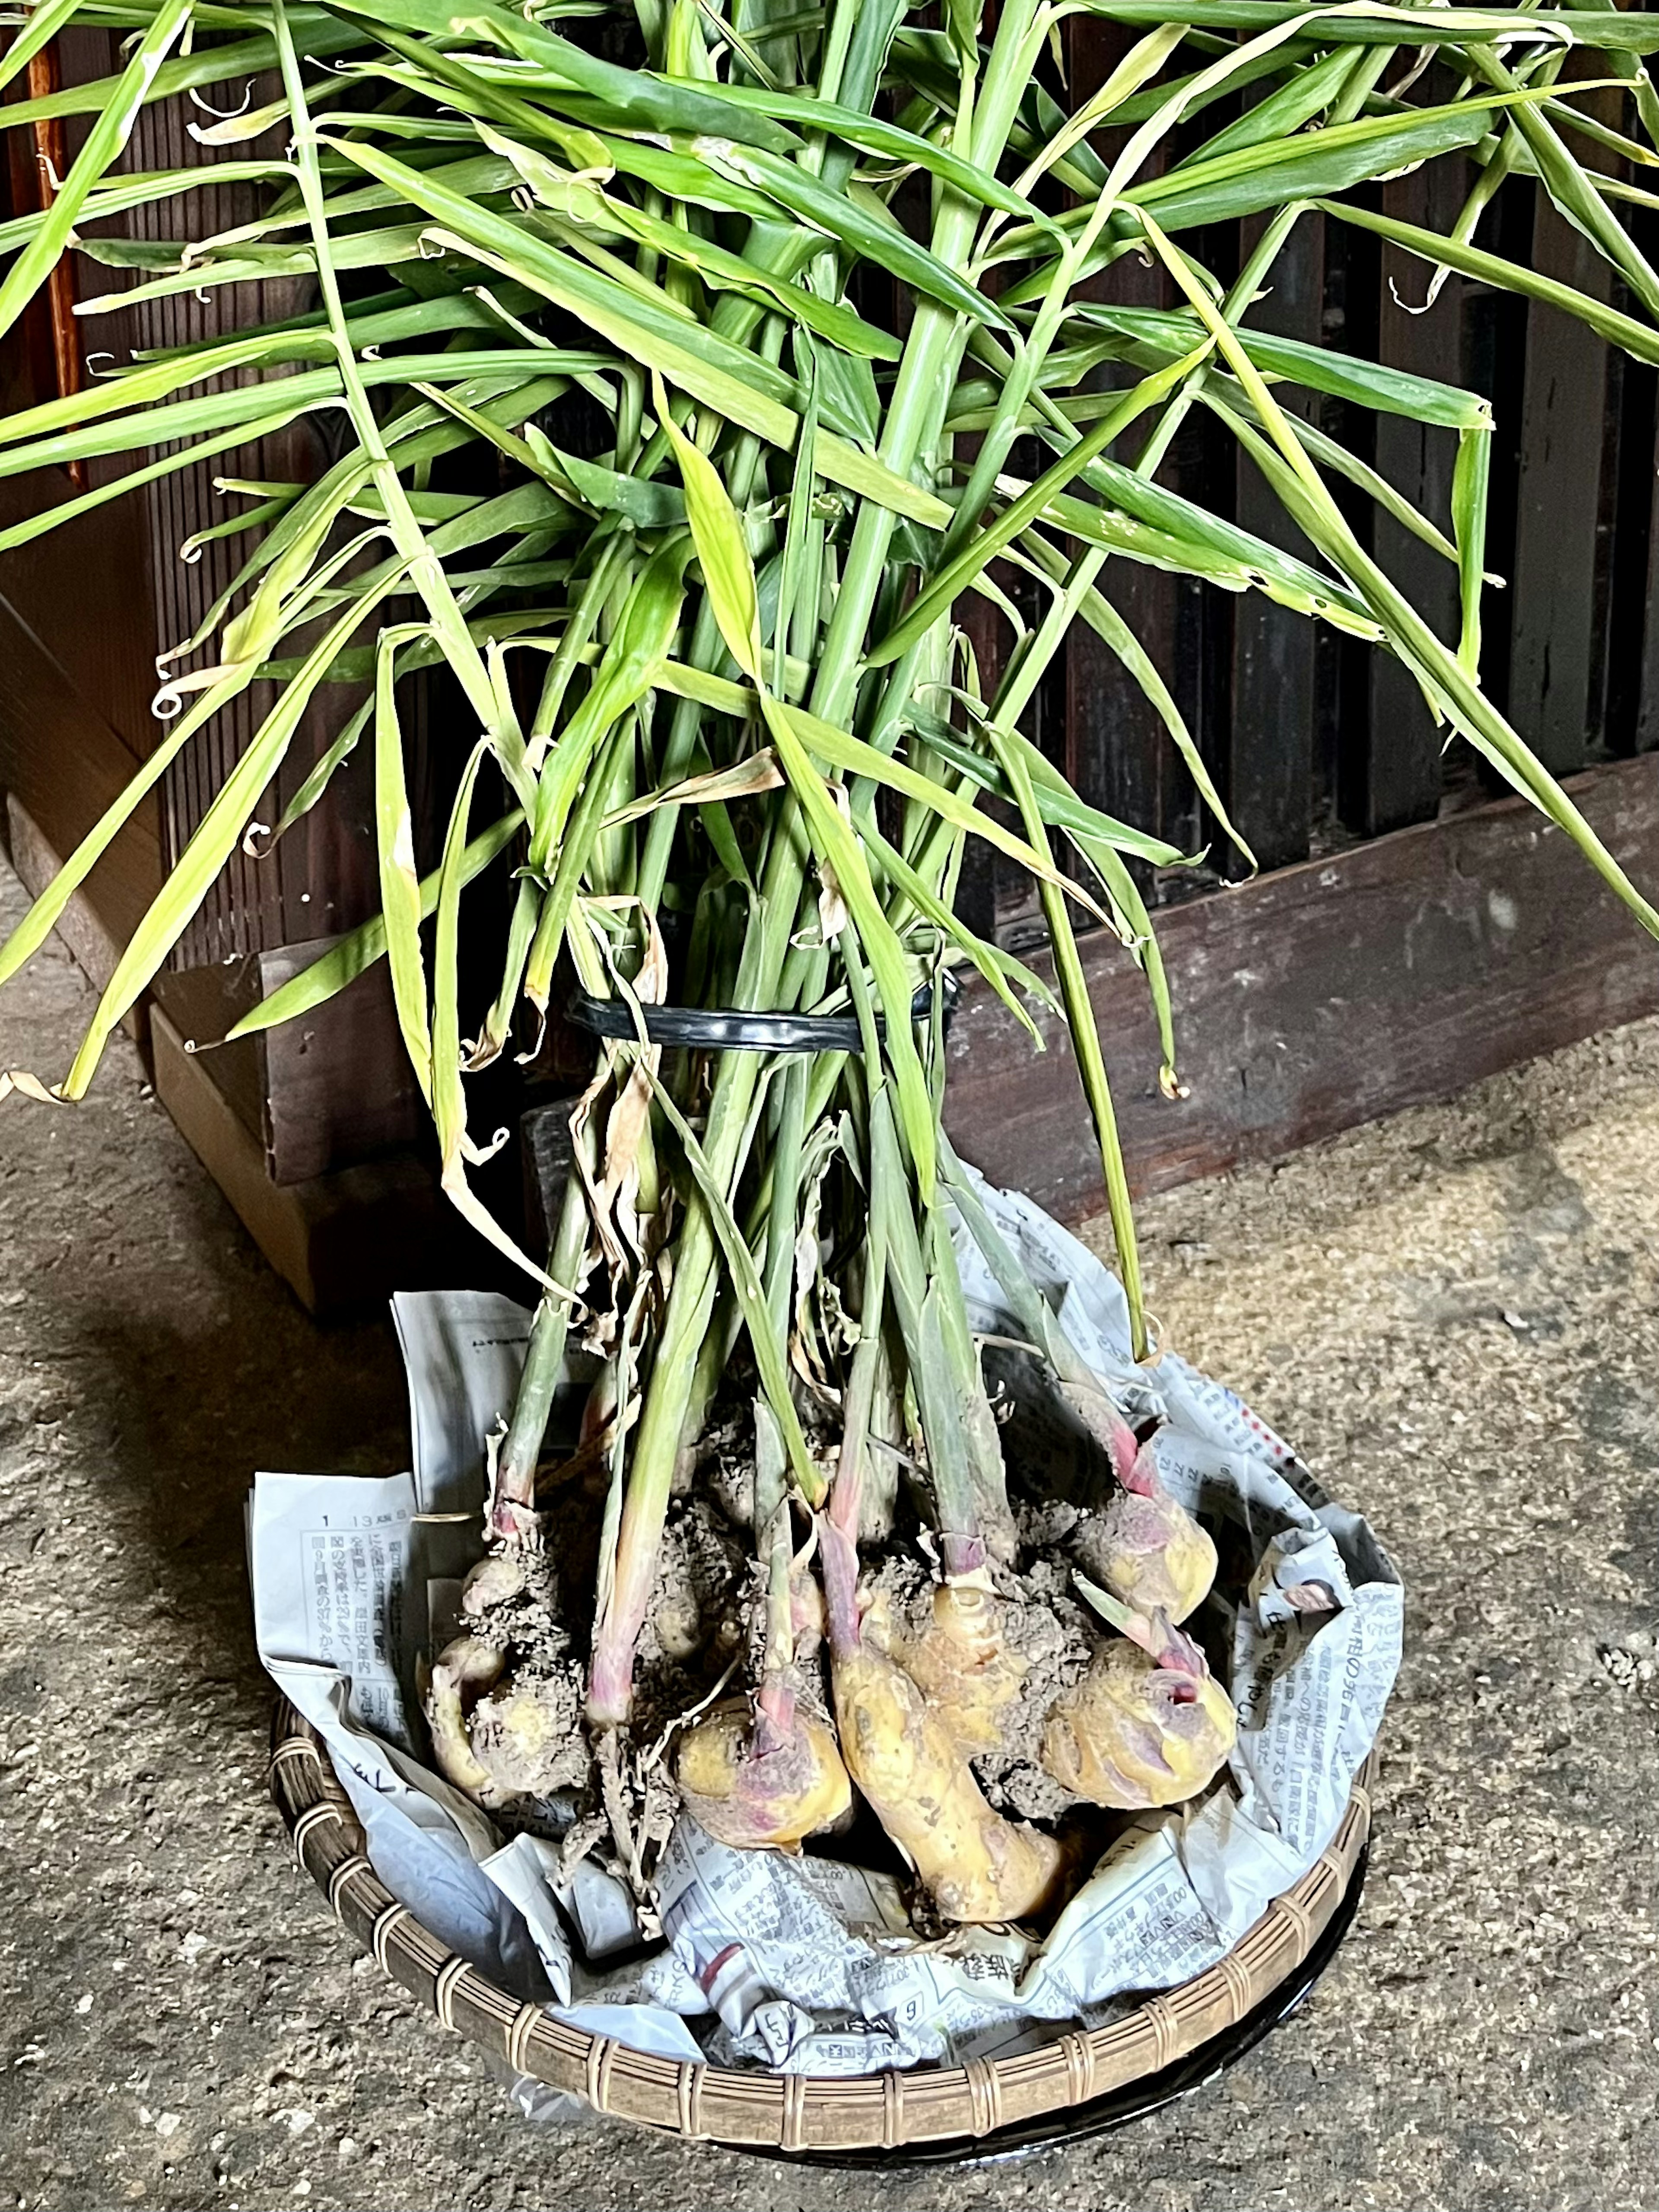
1270	763
1631	674
320	879
1327	994
1118	756
1401	776
1568	489
1342	664
1645	735
1569	418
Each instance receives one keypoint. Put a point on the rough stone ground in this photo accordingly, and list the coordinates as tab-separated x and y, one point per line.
1455	1316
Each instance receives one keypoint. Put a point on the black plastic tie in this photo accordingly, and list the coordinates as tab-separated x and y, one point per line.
732	1028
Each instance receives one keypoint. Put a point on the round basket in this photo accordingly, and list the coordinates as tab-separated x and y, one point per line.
1071	2085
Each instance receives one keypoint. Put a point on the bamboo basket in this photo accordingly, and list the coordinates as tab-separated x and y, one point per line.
791	2114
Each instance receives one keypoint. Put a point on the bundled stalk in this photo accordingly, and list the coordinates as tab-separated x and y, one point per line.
634	437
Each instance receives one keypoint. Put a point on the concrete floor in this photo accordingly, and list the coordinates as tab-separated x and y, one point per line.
1453	1314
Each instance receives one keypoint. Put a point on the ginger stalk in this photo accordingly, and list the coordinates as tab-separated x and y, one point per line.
1145	1546
905	1760
1147	1725
961	1659
771	1780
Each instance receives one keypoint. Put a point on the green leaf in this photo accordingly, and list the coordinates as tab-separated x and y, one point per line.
728	573
1390	390
1380	26
197	868
1085	1043
448	1090
318	38
579	204
835	842
999	969
945	589
1060	805
628	668
842	216
843	750
38	30
871	136
734	382
400	889
1431	246
1247	179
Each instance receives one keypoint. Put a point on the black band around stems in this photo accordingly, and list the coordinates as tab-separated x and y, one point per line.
729	1028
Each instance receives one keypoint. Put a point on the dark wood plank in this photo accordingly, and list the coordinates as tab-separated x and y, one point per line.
1117	754
65	764
1270	763
318	1094
1401	776
1646	717
343	1241
1327	994
322	879
1557	589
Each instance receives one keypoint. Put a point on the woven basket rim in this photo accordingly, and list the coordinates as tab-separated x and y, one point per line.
793	2113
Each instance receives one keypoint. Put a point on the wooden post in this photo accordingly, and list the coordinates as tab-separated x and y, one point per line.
1401	776
1271	753
1646	732
1556	677
1117	754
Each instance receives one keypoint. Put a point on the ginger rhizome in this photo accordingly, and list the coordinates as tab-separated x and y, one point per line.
1143	1546
1147	1725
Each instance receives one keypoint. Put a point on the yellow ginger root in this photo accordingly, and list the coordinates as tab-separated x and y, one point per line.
467	1668
1146	1548
1151	1552
527	1735
504	1725
976	1865
963	1662
1144	1726
753	1786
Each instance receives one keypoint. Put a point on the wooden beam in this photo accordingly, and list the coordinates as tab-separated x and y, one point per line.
1326	995
1402	780
1270	763
341	1241
64	764
1557	591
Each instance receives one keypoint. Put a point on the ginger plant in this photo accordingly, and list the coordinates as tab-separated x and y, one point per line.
633	436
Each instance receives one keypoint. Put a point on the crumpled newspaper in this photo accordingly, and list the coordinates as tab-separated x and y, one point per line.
806	1964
